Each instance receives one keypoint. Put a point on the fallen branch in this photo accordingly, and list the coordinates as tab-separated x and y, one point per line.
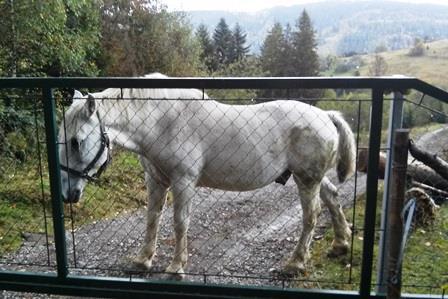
417	171
430	189
430	160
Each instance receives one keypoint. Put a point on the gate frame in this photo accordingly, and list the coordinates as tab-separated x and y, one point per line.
65	284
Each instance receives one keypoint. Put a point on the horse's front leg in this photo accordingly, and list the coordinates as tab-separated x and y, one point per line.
183	193
157	198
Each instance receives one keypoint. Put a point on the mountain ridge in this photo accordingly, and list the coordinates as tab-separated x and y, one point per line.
342	27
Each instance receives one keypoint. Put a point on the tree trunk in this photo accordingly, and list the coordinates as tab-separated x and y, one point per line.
417	171
431	160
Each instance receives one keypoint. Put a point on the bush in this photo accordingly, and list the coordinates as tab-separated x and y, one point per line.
18	136
418	49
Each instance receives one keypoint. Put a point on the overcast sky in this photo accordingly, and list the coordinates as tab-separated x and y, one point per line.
251	5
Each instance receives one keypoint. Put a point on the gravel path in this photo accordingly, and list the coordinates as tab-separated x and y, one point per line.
234	237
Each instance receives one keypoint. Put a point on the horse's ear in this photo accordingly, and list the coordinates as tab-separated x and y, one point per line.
77	95
90	106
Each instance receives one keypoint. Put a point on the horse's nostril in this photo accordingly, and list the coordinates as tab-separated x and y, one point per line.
75	195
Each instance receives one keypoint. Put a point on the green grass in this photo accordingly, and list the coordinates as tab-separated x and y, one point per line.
22	201
425	261
432	67
122	190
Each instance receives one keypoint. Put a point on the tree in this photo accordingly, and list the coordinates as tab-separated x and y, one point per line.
274	58
272	51
49	37
247	67
305	58
139	37
378	66
418	49
207	48
222	38
240	49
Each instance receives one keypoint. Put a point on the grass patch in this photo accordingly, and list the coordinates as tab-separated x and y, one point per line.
24	200
425	265
120	189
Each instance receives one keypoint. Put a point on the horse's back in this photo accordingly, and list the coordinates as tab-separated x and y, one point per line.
246	147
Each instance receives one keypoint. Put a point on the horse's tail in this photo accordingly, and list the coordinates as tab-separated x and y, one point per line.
346	163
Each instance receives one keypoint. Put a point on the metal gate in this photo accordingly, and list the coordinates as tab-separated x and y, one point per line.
53	256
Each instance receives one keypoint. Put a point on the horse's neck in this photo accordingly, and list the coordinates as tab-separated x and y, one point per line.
128	122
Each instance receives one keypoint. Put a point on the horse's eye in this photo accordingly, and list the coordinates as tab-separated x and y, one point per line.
74	144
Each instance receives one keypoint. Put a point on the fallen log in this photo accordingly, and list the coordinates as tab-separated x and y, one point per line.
439	196
430	160
416	170
430	189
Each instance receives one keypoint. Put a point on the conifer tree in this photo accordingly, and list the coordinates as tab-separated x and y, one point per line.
272	51
305	58
207	48
273	57
240	49
222	38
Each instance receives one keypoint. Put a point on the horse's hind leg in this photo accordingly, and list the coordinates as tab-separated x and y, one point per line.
309	197
342	232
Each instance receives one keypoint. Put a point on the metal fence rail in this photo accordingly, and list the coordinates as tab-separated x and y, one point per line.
73	270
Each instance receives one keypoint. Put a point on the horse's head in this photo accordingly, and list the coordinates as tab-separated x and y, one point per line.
84	150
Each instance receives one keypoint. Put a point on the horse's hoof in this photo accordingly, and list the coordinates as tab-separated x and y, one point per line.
174	273
173	276
137	265
291	271
337	251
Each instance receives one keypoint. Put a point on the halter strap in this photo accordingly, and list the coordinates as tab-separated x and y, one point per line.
105	143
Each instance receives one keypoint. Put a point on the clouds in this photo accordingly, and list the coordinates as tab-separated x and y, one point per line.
229	5
252	5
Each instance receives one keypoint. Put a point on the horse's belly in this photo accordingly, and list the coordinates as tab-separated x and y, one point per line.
242	175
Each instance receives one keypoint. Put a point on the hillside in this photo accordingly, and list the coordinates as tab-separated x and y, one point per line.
344	26
431	67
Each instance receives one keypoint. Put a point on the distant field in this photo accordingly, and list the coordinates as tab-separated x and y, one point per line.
431	67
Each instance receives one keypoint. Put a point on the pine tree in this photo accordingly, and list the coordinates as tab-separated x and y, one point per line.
207	48
288	68
305	57
222	38
272	51
240	50
274	58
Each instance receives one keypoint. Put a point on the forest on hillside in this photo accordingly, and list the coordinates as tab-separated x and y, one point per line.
67	38
344	27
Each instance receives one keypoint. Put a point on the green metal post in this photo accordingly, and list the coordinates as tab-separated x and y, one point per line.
55	183
371	192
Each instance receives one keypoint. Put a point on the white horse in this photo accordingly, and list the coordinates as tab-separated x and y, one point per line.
195	142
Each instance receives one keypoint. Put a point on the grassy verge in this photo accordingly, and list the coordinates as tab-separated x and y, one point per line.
24	201
425	265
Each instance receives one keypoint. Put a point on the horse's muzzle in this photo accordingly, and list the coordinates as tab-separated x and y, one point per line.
73	196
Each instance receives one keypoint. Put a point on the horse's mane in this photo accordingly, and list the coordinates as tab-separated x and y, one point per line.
150	93
113	97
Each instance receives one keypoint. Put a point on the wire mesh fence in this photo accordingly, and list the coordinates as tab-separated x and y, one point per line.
425	267
234	237
25	197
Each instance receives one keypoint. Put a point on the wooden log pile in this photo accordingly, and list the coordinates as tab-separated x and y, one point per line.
427	176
